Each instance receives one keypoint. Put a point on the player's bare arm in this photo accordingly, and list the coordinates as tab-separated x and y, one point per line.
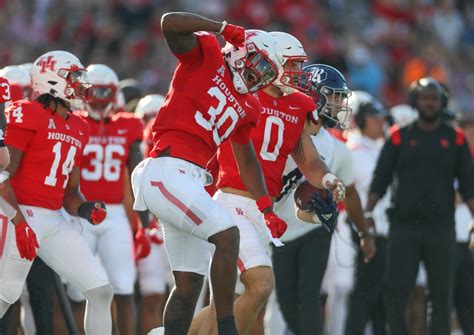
252	176
178	29
311	165
75	203
249	169
307	158
354	210
135	157
73	197
25	236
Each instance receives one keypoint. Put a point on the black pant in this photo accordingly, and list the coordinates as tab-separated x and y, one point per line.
366	301
464	288
41	290
408	244
299	267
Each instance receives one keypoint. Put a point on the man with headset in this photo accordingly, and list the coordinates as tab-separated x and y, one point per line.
420	162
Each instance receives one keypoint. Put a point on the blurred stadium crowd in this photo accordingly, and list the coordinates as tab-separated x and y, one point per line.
381	45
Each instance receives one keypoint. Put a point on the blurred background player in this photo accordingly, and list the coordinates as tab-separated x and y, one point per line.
300	265
282	131
464	268
147	109
46	142
5	96
114	143
365	142
154	272
210	91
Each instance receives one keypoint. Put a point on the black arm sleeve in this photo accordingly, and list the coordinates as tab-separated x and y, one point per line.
385	168
465	171
3	125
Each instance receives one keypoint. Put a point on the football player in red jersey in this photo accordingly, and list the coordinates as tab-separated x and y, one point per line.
146	110
5	96
46	141
114	144
208	103
283	130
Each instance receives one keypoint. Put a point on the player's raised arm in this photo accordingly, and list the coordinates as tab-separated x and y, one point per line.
179	29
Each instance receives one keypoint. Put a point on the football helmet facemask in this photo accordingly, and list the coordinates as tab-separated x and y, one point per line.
253	66
327	86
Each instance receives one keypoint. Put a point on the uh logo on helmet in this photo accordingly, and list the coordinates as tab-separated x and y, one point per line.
59	74
253	66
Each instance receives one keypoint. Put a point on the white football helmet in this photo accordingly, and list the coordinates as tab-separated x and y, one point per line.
294	56
255	65
149	105
403	114
103	91
17	75
59	74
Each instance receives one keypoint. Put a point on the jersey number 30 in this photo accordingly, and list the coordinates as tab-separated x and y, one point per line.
216	120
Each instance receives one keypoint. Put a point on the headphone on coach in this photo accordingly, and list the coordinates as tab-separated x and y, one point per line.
422	83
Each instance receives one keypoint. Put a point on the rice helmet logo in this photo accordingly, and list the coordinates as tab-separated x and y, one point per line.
319	75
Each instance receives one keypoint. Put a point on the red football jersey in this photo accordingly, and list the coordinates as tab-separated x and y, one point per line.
280	127
202	108
52	147
5	94
106	155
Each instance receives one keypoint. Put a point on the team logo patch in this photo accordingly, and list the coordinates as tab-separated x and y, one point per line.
47	63
319	75
51	124
29	213
239	211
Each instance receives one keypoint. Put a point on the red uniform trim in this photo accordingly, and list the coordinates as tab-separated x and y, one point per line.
3	239
175	201
395	135
459	136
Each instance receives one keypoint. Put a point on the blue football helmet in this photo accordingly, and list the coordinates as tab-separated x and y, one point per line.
327	86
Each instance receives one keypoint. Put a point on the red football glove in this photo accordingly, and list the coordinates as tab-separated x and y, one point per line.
276	225
153	232
93	211
4	90
233	34
142	244
26	240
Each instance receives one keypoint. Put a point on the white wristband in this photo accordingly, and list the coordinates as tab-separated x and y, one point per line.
328	180
224	24
368	215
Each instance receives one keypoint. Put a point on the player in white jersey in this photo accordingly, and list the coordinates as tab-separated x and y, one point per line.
464	276
299	265
365	143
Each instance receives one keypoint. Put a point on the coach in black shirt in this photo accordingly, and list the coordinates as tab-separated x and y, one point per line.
420	162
